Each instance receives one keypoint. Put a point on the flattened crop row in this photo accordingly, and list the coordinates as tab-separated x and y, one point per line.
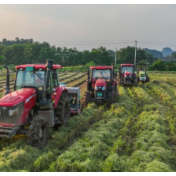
70	74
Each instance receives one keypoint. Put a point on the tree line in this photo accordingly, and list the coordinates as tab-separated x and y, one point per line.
26	51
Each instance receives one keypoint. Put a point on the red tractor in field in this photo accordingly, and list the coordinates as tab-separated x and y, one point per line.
37	103
127	75
101	85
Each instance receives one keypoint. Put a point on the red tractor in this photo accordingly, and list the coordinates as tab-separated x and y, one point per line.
127	75
101	85
37	103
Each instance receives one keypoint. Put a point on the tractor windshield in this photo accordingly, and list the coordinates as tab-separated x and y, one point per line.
30	78
128	69
101	74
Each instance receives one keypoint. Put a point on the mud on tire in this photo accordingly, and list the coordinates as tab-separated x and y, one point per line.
38	132
113	96
63	108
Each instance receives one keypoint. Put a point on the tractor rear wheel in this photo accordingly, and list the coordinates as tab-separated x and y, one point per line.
63	109
87	98
38	132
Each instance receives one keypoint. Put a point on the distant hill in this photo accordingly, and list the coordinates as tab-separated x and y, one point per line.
160	54
167	51
157	54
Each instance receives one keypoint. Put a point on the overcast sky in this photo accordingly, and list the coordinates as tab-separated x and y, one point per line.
91	26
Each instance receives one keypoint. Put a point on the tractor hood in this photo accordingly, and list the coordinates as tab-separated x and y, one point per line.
127	73
100	82
17	96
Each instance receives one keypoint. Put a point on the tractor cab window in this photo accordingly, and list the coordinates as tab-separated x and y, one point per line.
53	81
101	74
142	75
128	69
30	78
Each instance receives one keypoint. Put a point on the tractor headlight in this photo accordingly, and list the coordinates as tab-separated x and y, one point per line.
96	88
103	88
13	112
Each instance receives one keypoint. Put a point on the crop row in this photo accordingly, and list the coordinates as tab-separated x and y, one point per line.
137	133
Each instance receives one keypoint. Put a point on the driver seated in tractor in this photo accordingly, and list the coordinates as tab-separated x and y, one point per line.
73	102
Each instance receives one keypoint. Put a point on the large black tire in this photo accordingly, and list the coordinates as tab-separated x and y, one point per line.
148	79
38	132
87	99
113	96
135	82
62	111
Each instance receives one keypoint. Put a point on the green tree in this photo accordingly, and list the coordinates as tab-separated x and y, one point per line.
91	63
158	65
170	66
2	59
126	55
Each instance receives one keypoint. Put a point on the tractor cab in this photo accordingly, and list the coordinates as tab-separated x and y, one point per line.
127	74
34	76
142	74
101	84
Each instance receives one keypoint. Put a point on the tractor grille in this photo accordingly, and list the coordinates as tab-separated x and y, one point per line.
8	132
10	115
128	79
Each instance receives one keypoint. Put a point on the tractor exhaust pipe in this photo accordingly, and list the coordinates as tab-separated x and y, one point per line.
112	71
49	66
7	89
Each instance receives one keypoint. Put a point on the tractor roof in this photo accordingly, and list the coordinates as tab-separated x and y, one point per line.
101	67
127	65
37	66
141	72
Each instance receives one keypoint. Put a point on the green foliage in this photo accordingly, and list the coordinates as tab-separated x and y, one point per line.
126	55
91	63
173	55
163	66
2	59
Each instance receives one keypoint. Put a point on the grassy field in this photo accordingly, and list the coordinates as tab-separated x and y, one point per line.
135	134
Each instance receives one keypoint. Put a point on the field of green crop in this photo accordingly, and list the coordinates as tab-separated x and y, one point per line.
135	134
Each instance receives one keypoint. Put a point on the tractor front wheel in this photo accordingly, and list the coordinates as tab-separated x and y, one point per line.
113	96
38	132
63	109
135	82
148	79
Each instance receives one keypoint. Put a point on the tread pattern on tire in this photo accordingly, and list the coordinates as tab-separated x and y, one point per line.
113	96
63	108
37	123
